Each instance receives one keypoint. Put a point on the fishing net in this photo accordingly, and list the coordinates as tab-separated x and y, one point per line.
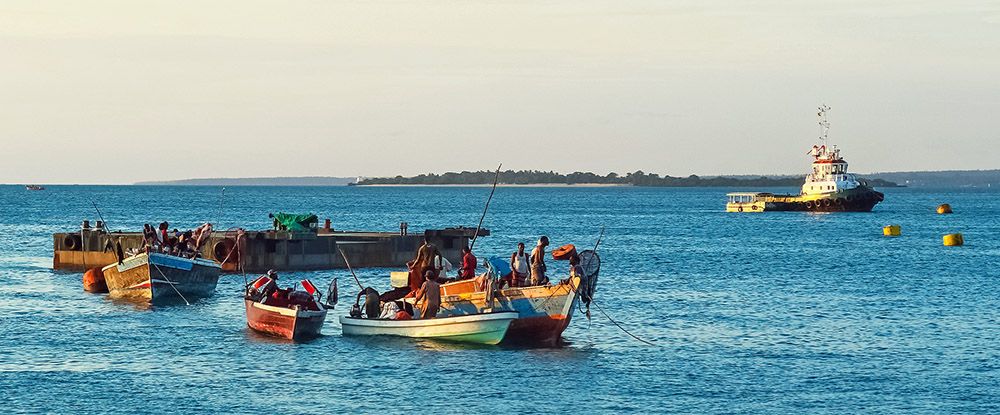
591	263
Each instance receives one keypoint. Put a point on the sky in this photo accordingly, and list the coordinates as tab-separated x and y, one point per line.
124	91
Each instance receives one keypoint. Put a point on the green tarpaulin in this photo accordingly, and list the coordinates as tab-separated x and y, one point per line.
294	221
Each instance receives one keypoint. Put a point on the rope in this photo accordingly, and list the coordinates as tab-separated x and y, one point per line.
168	280
619	325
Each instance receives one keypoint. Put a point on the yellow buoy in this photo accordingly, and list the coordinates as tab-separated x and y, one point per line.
954	239
892	230
945	208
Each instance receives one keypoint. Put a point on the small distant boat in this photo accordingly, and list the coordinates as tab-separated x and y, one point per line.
482	328
297	316
159	278
34	187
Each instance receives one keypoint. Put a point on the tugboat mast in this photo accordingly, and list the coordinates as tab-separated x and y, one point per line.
824	124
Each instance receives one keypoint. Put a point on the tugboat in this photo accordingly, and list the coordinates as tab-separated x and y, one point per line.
829	188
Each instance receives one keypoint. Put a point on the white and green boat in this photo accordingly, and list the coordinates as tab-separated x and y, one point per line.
483	328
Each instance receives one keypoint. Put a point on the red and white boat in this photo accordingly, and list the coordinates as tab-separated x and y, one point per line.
293	315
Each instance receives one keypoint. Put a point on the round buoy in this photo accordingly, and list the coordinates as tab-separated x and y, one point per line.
93	281
944	209
954	239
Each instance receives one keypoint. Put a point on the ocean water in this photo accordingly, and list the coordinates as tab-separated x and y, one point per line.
783	312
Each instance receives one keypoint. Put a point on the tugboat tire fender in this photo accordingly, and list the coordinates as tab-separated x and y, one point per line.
740	208
838	201
809	205
826	202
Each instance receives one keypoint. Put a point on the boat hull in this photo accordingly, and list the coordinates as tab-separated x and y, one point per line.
860	199
284	322
484	328
544	312
158	278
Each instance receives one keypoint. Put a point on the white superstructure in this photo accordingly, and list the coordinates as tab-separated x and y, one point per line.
829	170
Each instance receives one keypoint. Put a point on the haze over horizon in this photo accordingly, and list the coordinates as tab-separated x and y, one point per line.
122	91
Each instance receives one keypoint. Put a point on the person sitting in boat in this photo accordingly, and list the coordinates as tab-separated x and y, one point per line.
271	287
164	226
575	270
201	235
429	295
538	262
149	236
469	262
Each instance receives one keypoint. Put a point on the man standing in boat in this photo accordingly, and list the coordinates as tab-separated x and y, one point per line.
519	266
430	295
421	264
538	262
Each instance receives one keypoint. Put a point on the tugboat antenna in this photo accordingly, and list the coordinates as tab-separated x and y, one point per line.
824	124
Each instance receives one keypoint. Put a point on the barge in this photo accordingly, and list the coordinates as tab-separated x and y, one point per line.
259	251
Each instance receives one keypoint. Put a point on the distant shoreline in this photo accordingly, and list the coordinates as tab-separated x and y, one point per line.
498	185
931	179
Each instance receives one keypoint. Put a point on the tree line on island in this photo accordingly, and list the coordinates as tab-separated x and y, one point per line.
638	178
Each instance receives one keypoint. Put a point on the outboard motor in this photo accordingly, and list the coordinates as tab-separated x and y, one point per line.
372	303
332	295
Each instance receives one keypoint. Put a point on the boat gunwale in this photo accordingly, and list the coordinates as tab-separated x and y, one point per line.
194	261
436	321
285	311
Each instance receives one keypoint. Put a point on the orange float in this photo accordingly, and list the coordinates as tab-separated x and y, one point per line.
564	252
93	281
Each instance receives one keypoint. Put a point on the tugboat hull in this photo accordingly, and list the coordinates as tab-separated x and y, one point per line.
855	200
859	199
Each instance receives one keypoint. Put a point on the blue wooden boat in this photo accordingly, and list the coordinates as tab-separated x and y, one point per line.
158	278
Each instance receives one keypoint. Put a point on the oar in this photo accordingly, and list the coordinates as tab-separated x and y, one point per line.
481	218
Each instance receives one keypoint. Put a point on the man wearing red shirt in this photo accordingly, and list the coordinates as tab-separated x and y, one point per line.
468	269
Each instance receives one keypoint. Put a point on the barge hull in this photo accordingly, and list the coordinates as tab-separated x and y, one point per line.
259	251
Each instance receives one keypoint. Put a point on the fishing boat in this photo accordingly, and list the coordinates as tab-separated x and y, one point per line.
293	315
481	328
829	188
159	278
544	311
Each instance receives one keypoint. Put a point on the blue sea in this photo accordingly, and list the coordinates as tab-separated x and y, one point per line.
781	312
